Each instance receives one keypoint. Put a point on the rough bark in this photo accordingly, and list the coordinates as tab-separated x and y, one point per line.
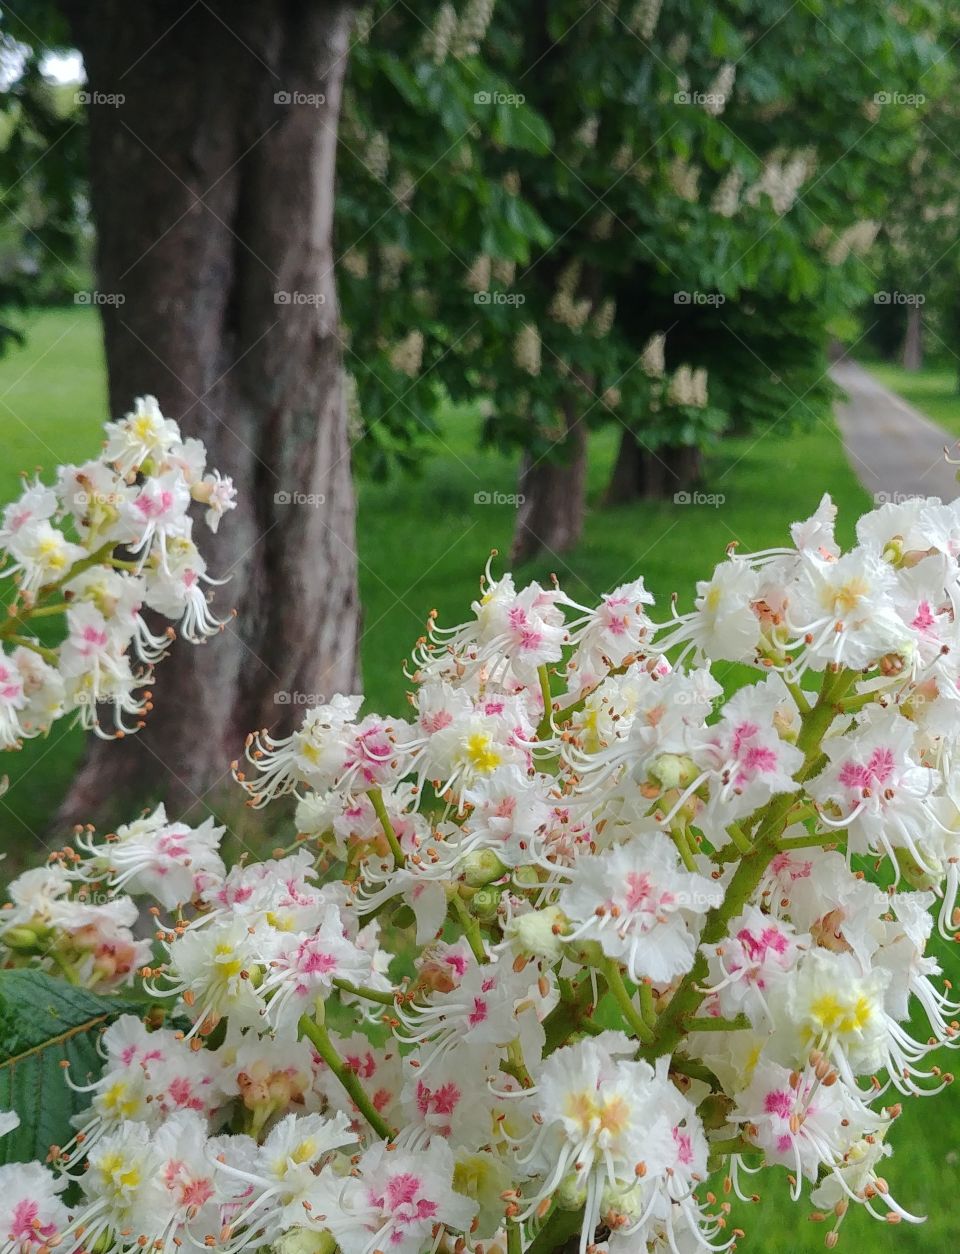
643	474
911	354
212	194
550	513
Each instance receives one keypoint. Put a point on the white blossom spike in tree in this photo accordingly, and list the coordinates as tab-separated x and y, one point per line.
113	539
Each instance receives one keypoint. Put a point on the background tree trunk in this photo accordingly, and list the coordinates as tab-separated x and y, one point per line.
911	355
554	494
212	194
642	474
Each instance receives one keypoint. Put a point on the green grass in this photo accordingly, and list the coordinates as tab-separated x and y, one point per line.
423	543
932	390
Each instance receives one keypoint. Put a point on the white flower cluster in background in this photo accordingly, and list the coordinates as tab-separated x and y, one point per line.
581	932
112	538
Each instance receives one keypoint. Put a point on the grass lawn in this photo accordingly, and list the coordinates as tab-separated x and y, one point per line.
423	543
932	390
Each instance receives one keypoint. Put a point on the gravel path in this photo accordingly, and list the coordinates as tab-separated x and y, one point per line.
895	451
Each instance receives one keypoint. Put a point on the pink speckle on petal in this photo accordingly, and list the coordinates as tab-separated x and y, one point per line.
853	775
779	1102
479	1013
402	1189
684	1147
923	619
881	765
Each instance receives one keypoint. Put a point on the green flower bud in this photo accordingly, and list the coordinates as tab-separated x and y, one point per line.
21	938
482	868
526	877
572	1192
305	1241
893	551
622	1201
918	877
539	933
673	770
588	953
485	903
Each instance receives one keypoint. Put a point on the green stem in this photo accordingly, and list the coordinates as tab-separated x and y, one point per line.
589	1028
471	928
611	972
695	1070
93	559
711	1023
683	848
44	611
799	696
545	728
647	1008
731	1145
739	837
851	705
808	842
28	642
558	1229
320	1039
370	994
569	1016
376	798
67	968
514	1238
518	1065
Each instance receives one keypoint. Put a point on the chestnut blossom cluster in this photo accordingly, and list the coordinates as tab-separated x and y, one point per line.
112	538
571	951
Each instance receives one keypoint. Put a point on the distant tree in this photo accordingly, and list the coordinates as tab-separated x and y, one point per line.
695	180
917	306
43	201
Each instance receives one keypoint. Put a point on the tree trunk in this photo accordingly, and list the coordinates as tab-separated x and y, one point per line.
640	473
553	494
212	194
911	355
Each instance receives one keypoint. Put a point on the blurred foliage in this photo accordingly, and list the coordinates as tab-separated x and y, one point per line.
715	171
917	262
44	232
527	192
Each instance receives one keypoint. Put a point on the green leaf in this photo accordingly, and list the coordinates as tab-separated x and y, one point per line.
43	1023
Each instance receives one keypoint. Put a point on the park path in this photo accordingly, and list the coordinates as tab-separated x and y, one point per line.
894	450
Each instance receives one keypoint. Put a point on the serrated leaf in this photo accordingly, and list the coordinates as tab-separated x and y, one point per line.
45	1022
